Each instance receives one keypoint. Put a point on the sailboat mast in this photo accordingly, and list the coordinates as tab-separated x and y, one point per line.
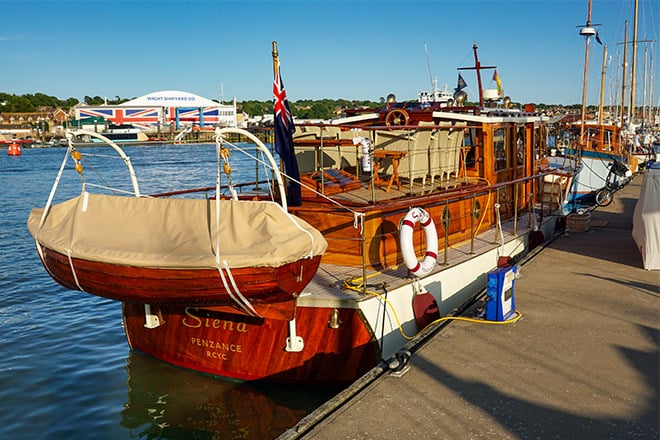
587	31
602	85
623	77
632	72
644	119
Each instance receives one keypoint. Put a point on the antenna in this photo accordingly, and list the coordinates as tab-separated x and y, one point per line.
428	64
222	92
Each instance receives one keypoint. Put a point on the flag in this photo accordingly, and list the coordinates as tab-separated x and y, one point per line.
598	38
461	83
497	79
284	129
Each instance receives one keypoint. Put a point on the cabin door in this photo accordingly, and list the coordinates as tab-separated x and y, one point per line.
474	152
508	163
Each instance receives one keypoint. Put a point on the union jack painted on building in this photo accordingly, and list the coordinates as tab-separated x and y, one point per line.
139	117
202	116
149	117
177	109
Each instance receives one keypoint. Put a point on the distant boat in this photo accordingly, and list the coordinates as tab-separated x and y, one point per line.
407	222
602	146
124	133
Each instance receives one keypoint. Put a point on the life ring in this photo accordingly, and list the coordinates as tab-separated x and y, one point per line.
416	267
397	116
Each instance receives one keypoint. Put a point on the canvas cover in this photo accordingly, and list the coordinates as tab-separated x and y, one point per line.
646	219
175	233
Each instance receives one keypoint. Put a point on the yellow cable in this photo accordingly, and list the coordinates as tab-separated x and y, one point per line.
348	284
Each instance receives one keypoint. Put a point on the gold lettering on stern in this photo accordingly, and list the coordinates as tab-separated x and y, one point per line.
213	349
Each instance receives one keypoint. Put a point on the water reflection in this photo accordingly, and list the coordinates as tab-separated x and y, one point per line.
165	401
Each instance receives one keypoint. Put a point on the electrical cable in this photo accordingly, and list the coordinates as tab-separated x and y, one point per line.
350	284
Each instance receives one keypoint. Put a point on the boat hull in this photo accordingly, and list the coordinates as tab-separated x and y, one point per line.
593	174
189	286
249	348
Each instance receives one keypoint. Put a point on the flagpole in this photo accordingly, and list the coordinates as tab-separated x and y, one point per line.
276	59
276	67
283	128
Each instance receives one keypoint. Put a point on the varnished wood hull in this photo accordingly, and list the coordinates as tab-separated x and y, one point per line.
248	348
259	285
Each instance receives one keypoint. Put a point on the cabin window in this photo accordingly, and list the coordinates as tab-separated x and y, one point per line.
592	138
471	140
520	147
607	140
537	143
499	148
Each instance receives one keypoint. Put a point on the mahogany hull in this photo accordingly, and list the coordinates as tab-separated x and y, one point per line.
248	348
190	286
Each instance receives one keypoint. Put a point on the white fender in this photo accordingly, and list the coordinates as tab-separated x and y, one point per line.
406	240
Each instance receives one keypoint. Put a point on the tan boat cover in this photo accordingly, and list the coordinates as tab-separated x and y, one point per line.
175	233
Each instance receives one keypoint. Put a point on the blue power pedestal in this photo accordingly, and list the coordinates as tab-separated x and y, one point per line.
500	304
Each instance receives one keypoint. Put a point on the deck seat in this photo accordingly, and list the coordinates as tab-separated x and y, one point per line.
415	143
438	151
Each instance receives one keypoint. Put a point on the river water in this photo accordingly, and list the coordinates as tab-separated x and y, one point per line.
66	370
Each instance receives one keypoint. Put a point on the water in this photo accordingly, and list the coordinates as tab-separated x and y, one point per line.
66	370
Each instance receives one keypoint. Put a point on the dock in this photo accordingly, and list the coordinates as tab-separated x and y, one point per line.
582	362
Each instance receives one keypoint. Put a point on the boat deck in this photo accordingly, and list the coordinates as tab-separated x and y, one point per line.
364	194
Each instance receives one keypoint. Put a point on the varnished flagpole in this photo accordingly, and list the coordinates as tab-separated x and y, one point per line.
276	59
276	68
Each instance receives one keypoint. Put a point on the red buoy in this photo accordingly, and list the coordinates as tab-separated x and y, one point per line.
14	149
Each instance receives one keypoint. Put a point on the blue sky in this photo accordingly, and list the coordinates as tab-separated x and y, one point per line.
357	49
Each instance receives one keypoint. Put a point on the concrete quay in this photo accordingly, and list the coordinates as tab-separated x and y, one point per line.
582	362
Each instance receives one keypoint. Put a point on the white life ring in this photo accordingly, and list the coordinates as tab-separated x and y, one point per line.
406	239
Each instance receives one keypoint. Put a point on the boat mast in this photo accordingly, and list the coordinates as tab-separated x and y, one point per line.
651	88
644	89
623	86
478	67
602	85
632	72
587	31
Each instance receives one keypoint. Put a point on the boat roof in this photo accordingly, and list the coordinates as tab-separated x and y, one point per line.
494	115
